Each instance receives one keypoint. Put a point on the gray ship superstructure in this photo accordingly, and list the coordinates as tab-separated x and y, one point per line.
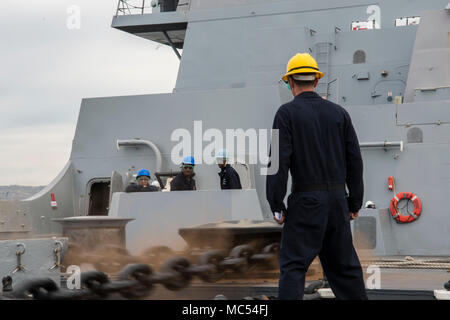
386	62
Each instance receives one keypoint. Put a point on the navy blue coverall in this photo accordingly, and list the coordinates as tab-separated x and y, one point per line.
137	188
318	144
229	178
180	183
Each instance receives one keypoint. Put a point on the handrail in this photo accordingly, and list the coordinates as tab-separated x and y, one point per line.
382	144
128	7
147	143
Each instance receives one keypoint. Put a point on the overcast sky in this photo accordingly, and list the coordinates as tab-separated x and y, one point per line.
47	69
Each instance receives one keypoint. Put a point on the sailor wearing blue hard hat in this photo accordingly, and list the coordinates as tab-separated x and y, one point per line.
143	185
185	179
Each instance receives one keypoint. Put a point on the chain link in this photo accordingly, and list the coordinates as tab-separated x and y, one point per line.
136	281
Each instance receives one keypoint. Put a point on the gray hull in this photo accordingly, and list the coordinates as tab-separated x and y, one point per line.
233	57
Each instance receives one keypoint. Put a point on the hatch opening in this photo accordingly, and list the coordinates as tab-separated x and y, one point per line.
99	190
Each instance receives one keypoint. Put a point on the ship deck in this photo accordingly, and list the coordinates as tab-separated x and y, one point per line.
396	284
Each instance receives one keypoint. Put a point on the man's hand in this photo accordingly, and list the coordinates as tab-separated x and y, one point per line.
279	217
353	215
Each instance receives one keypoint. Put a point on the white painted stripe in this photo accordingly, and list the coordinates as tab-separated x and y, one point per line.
326	293
414	198
442	294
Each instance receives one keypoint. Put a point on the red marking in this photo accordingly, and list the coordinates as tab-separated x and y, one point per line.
391	183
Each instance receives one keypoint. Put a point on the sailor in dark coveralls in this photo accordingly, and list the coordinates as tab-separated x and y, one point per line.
229	178
319	146
143	178
184	181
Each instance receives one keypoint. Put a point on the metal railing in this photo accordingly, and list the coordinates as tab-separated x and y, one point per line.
127	7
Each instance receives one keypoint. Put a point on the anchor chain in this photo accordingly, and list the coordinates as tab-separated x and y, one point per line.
136	281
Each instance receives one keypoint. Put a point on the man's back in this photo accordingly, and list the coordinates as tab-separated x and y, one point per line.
318	133
318	145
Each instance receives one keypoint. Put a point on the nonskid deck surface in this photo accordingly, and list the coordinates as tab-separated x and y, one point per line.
396	284
413	279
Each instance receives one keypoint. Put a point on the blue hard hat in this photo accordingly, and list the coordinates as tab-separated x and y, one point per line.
222	154
142	173
189	160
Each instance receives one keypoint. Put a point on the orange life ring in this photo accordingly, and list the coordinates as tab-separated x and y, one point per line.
400	218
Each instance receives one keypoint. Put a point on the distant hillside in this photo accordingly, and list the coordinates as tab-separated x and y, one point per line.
18	192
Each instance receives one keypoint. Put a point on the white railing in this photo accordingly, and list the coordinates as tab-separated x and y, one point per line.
127	7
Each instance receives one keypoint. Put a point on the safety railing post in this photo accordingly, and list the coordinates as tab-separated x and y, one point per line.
125	7
118	7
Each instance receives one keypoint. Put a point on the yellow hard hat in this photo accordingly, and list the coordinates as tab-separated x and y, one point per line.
302	63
